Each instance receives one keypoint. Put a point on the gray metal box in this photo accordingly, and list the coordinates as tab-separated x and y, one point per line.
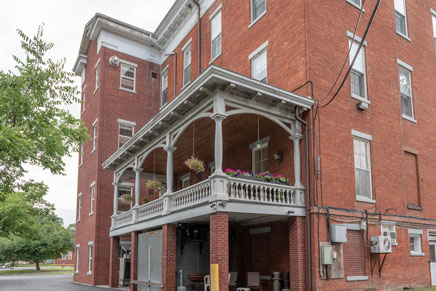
338	233
327	255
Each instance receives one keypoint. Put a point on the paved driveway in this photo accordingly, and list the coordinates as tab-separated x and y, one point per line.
44	283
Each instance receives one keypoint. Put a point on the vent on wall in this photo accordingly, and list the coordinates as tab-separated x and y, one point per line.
153	75
432	235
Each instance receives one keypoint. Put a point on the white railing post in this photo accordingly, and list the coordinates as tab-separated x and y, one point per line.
115	203
170	176
219	114
137	194
296	138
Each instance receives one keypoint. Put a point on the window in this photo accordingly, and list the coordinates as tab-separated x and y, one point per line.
362	169
187	64
259	64
258	9
415	243
90	254
128	75
92	198
94	135
81	155
260	158
406	93
82	80
97	74
186	180
77	259
434	29
389	230
357	75
356	3
125	131
124	205
79	206
164	96
215	38
411	180
83	99
400	17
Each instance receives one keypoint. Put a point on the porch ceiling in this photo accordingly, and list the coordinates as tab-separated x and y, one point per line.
195	95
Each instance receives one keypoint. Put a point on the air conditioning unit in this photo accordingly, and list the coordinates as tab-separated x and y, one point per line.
381	245
114	61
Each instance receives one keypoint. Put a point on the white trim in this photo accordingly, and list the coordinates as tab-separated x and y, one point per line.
95	122
357	97
404	36
405	21
216	57
128	63
433	11
258	50
356	278
164	69
77	245
253	21
187	44
126	122
415	231
97	63
212	15
126	184
389	224
405	65
361	135
417	254
90	243
411	119
365	199
92	184
128	78
355	5
356	38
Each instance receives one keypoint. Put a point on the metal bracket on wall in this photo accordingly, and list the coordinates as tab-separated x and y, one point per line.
380	266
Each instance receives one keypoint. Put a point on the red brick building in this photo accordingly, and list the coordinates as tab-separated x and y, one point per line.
334	189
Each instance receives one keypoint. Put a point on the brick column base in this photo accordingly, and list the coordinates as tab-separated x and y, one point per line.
219	247
114	263
133	260
169	252
297	253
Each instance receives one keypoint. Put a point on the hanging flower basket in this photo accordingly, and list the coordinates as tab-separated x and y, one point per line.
126	199
154	185
194	164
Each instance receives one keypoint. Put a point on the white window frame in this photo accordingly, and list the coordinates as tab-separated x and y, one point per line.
83	76
164	72
217	13
184	178
405	67
126	186
83	99
389	228
433	17
363	137
253	21
79	206
77	258
94	135
257	53
92	198
81	155
357	42
253	156
406	36
122	122
186	64
416	234
90	257
97	74
125	63
356	5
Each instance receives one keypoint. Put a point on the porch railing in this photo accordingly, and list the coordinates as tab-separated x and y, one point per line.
238	189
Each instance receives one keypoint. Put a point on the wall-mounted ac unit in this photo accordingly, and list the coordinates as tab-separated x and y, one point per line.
381	245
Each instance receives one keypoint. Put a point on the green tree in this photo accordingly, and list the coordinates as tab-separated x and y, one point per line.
50	239
35	129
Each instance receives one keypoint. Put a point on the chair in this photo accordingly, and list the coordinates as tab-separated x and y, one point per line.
233	278
253	280
206	282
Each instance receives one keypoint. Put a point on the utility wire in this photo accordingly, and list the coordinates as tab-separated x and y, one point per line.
355	56
348	54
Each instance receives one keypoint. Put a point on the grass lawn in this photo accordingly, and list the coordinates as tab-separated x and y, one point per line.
51	271
33	265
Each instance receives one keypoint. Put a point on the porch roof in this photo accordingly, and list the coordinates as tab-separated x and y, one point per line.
214	78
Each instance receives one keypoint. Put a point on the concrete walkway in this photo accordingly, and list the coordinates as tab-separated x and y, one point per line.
44	282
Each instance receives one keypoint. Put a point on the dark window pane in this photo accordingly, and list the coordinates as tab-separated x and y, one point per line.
258	7
406	104
164	96
400	20
357	83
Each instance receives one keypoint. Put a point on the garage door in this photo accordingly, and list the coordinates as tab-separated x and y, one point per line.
150	261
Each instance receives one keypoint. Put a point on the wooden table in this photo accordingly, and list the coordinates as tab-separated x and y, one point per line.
196	281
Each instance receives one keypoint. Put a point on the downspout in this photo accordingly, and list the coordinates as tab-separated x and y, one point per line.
197	3
307	200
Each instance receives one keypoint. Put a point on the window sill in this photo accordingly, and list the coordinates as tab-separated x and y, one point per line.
93	151
89	273
355	5
91	213
128	90
76	272
360	98
411	119
257	19
414	207
417	254
365	199
356	278
403	36
95	90
80	165
216	57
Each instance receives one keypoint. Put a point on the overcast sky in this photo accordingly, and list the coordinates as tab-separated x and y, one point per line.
64	23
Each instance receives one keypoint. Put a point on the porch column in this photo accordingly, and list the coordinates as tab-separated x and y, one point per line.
137	186
219	247
297	253
170	173
133	260
169	252
114	261
218	117
115	198
296	138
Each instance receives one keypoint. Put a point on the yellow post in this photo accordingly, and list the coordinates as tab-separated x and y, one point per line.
214	277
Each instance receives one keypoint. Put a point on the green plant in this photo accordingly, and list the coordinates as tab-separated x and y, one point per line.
154	185
126	198
144	200
195	164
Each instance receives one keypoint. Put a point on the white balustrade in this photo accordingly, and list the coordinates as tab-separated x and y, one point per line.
191	195
123	218
150	209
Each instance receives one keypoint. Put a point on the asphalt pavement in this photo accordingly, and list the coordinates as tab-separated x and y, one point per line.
44	283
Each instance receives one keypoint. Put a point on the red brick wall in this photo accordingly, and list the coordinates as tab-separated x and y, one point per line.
354	254
169	243
133	260
219	246
297	253
114	262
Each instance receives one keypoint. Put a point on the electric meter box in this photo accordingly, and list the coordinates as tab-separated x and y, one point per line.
326	255
338	233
